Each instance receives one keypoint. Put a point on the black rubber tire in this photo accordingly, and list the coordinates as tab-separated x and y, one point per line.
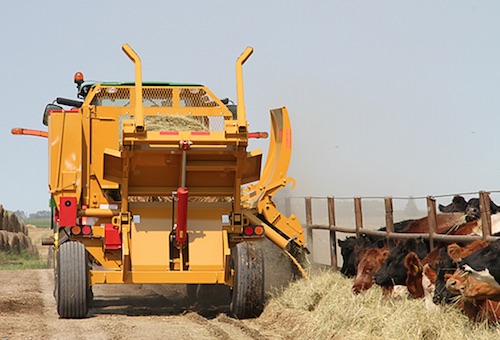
72	293
247	296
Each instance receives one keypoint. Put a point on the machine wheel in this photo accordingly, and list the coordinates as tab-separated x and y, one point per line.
247	261
72	281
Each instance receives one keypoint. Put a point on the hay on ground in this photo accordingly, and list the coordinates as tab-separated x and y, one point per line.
324	307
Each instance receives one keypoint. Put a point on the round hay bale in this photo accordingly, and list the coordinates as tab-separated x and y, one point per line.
11	221
23	241
2	242
5	239
3	221
1	217
15	245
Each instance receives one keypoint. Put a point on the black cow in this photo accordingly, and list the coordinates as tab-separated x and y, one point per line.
473	211
484	264
352	246
445	266
458	204
393	271
470	208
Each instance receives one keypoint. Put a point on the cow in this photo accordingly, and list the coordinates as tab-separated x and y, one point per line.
351	248
370	263
414	269
473	210
484	264
428	286
447	265
470	208
393	271
458	204
477	299
415	272
462	283
445	223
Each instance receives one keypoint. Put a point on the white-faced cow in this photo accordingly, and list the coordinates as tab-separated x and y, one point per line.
484	264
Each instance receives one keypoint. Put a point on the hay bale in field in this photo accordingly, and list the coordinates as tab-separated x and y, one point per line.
3	220
14	243
23	241
1	217
5	240
13	222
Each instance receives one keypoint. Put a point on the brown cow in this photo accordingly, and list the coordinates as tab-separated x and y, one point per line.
414	269
470	288
370	263
477	298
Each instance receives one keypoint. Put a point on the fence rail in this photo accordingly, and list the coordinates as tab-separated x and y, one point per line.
431	235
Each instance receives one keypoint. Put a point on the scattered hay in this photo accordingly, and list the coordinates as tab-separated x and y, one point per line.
168	199
174	123
326	307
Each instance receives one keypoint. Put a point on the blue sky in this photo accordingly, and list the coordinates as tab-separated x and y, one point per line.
396	98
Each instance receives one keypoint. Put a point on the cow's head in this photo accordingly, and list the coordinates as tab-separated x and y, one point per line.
473	210
484	264
370	263
393	271
348	256
458	204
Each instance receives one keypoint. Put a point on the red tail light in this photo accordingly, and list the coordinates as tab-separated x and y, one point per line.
86	230
253	230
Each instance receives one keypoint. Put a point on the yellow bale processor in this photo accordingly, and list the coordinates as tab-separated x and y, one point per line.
152	183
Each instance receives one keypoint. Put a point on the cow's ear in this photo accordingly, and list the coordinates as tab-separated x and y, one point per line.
412	263
385	253
455	252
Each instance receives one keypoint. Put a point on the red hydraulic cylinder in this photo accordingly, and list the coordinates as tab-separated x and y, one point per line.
182	205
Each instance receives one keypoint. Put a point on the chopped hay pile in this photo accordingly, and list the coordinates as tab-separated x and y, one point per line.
325	308
174	123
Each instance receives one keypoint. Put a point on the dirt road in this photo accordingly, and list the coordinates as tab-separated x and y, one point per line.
28	311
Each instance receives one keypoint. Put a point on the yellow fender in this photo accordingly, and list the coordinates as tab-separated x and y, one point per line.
259	196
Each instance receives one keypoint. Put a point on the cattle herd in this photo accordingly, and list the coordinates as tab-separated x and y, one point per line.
465	274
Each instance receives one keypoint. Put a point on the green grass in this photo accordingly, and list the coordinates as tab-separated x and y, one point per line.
24	260
38	222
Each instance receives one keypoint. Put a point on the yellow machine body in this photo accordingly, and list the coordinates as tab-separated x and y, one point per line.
122	174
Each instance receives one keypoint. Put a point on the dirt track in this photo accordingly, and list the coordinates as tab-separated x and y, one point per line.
28	311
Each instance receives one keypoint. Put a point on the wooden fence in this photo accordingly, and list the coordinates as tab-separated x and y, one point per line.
358	230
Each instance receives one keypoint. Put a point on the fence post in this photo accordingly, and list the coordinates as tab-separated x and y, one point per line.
431	218
309	234
389	217
359	215
333	235
484	205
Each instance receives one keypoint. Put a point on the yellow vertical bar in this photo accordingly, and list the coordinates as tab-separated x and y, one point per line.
139	117
240	110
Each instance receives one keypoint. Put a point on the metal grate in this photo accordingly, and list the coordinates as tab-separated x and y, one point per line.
112	96
155	97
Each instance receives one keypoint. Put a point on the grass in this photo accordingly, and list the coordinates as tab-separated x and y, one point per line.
38	222
24	260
